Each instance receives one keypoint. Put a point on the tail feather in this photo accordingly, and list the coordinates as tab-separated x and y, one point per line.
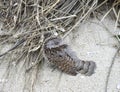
91	69
86	67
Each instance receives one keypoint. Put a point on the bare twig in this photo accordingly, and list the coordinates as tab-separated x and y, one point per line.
110	69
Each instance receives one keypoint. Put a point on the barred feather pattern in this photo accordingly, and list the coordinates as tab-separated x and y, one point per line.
61	55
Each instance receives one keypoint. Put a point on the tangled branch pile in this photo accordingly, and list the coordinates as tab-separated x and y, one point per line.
30	19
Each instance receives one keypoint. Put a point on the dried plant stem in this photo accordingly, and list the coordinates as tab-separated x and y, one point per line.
110	69
90	10
63	17
118	16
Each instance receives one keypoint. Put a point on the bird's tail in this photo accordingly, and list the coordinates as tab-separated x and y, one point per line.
86	67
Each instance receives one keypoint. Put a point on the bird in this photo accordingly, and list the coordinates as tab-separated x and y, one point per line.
60	54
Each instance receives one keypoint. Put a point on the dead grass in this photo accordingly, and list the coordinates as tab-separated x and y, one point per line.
30	19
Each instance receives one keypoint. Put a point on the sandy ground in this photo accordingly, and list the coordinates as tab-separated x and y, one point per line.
91	42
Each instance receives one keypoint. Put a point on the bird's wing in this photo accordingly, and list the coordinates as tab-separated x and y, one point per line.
63	60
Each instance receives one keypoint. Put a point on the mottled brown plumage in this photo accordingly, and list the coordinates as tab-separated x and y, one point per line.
60	55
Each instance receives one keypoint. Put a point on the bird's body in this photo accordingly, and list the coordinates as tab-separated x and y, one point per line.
61	55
